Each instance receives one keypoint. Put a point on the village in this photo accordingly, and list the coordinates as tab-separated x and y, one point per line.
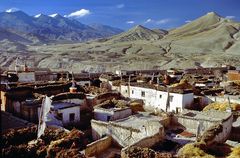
127	113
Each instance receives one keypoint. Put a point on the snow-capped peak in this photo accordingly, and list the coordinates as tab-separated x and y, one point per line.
37	16
53	15
11	10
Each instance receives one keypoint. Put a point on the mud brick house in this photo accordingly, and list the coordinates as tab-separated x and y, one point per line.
193	121
24	99
130	130
111	110
68	107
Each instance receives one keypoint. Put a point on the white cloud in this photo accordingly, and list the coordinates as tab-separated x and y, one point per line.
230	17
79	13
163	21
130	22
157	22
10	10
120	6
148	21
188	21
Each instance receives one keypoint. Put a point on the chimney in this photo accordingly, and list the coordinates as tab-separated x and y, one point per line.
73	88
25	69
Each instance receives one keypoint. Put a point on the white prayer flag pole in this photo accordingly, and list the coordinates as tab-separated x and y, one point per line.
45	108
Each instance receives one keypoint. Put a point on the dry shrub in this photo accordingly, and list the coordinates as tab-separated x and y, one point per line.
237	82
136	107
222	106
183	84
74	140
22	143
235	152
19	136
66	153
137	152
191	150
113	103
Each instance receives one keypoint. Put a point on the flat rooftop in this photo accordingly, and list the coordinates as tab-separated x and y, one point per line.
159	88
113	105
211	115
137	121
63	105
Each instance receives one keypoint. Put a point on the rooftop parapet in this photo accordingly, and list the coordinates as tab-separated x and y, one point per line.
160	88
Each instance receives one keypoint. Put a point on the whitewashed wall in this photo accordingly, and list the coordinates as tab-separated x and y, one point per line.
187	100
124	91
26	77
102	114
158	99
65	114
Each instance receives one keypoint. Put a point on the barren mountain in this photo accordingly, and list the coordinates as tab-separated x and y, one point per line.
210	40
137	33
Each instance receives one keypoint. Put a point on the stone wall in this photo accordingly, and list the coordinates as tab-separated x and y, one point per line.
223	99
145	142
227	127
191	125
125	136
99	129
97	147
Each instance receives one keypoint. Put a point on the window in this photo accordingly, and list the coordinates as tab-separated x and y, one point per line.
71	117
178	110
60	116
143	94
132	91
160	96
126	91
108	118
170	98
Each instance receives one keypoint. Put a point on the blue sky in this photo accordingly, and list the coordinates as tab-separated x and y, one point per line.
125	14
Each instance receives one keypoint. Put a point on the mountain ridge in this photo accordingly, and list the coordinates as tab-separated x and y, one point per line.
51	28
138	32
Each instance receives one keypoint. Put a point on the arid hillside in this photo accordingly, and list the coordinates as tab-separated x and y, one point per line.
210	40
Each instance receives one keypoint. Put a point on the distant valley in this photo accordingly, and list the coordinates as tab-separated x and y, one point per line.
210	40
